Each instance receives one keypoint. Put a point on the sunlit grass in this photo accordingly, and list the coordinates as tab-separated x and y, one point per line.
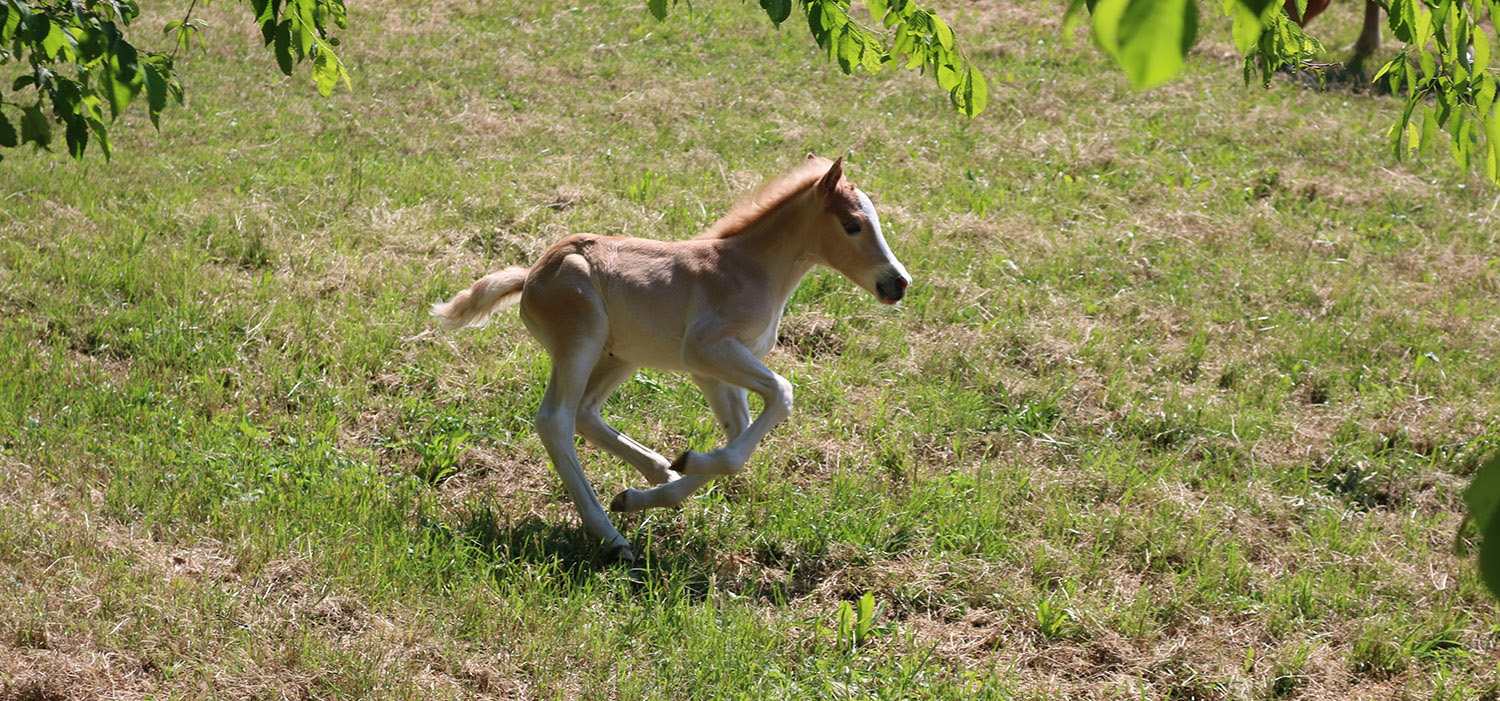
1181	404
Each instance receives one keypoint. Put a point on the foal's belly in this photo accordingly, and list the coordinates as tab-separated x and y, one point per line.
663	350
662	353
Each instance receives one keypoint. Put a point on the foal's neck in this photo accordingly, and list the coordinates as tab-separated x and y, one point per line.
782	243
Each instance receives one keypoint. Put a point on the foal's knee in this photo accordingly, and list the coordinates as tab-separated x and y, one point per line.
780	396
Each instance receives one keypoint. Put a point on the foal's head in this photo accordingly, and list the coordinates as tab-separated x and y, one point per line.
849	240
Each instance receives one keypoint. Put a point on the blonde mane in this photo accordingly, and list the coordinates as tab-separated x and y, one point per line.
765	199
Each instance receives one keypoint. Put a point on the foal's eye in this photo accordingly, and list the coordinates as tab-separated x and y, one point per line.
851	227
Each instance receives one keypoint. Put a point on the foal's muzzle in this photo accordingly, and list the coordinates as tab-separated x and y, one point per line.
891	285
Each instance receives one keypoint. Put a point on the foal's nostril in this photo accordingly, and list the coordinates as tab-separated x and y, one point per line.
891	289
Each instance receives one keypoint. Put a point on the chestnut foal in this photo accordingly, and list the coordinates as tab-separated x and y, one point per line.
605	306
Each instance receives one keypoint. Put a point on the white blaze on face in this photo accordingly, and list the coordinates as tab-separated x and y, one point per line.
868	209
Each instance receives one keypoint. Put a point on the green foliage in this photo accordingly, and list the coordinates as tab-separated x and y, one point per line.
1444	70
1483	500
440	452
75	59
908	35
1278	43
856	624
1148	38
1445	61
1055	621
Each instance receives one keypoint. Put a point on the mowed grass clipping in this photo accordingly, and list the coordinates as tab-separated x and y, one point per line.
1181	404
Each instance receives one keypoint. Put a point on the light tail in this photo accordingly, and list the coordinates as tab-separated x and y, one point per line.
489	294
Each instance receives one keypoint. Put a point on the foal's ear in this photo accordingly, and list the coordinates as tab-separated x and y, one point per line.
811	156
830	181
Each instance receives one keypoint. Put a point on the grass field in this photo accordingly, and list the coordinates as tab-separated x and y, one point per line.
1181	404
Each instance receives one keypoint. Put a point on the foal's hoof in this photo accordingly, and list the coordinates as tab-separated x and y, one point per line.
622	503
680	465
623	554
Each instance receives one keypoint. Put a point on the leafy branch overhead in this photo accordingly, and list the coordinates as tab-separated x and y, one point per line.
906	35
75	59
1445	60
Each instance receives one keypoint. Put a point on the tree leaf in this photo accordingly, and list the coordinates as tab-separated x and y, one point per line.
156	93
849	48
304	39
1484	97
1429	128
9	23
815	22
284	47
266	15
326	71
77	135
54	41
122	77
101	135
658	9
1148	38
7	132
1398	61
877	9
834	18
1246	27
1259	8
948	77
1483	499
1421	26
35	127
777	10
1489	549
1492	167
1458	144
1399	18
903	42
975	93
1481	51
941	31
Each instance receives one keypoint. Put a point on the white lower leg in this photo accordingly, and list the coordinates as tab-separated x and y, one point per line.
651	465
667	495
556	431
731	458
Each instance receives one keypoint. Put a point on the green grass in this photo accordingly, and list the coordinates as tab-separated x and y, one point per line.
1181	404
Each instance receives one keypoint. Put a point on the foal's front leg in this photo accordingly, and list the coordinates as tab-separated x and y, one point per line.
733	414
730	362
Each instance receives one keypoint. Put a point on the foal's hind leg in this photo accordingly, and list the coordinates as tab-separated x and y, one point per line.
555	423
573	333
607	376
733	414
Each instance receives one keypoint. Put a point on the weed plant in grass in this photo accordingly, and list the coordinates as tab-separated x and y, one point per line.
1181	406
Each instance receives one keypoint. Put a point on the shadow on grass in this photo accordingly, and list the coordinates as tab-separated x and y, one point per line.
574	557
670	565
